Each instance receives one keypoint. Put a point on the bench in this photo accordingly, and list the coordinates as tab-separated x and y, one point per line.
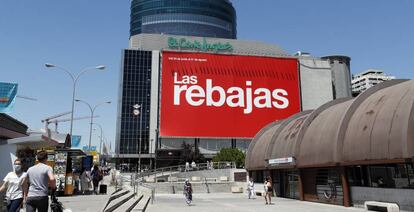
195	179
224	179
211	179
172	179
381	206
150	180
236	189
181	179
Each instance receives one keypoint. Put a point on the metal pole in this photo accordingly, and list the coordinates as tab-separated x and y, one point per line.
73	108
90	128
140	139
100	144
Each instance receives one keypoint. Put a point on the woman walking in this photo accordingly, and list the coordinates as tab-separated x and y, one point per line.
13	182
85	181
268	190
188	192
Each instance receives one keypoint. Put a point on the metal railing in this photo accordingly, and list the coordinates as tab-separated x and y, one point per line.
183	168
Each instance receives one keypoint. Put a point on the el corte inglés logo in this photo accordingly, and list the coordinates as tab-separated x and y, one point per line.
204	46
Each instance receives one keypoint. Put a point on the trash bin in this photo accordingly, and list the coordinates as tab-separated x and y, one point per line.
102	189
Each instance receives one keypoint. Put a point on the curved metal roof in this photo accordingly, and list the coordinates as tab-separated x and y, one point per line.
375	127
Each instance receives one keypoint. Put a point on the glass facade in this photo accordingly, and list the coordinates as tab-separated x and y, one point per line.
203	18
136	89
383	176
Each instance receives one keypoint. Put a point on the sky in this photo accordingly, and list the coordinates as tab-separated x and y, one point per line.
77	34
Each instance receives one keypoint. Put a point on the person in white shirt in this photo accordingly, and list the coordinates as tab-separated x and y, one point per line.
13	182
193	166
250	188
187	166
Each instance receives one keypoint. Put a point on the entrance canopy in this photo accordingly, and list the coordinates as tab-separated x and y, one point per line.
375	127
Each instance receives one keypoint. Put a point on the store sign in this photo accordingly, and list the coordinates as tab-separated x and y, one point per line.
279	161
8	92
86	148
225	96
184	44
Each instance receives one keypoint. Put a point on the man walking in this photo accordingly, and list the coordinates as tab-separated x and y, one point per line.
39	177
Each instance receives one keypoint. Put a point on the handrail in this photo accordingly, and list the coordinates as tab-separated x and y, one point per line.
182	168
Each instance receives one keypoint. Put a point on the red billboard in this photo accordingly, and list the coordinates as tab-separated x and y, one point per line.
225	96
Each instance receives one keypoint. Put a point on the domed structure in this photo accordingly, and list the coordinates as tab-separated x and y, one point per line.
345	144
202	18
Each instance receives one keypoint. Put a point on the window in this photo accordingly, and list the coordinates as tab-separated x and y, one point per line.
383	176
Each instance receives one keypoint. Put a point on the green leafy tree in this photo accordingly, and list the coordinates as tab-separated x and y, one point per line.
231	154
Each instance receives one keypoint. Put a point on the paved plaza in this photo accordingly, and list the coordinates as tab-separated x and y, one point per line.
237	203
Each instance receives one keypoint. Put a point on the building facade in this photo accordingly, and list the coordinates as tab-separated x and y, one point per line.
345	152
141	82
371	77
207	18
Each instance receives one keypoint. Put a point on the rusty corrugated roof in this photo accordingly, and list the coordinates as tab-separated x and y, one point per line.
378	125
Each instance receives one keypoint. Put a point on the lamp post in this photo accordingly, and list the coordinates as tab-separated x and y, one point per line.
92	111
74	80
101	138
138	108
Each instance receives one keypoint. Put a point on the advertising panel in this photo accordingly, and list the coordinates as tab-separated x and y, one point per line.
76	140
225	96
8	92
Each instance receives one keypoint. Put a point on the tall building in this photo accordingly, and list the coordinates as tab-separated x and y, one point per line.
204	18
364	80
204	112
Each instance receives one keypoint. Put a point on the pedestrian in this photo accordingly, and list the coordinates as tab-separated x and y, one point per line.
250	188
208	165
193	166
268	190
187	166
36	183
265	190
85	180
96	177
13	182
188	192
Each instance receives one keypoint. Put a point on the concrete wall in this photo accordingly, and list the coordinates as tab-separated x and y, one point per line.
316	82
198	187
403	197
155	67
216	173
6	164
341	75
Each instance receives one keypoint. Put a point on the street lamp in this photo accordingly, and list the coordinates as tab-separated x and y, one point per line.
92	111
74	80
137	111
100	142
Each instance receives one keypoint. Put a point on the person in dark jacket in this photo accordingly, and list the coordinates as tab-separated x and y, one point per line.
96	177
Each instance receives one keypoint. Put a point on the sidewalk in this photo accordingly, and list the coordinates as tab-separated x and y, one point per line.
88	203
237	203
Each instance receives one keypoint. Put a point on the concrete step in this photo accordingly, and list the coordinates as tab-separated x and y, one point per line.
115	199
130	204
142	205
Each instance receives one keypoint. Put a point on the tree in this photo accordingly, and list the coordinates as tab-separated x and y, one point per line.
189	154
231	154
